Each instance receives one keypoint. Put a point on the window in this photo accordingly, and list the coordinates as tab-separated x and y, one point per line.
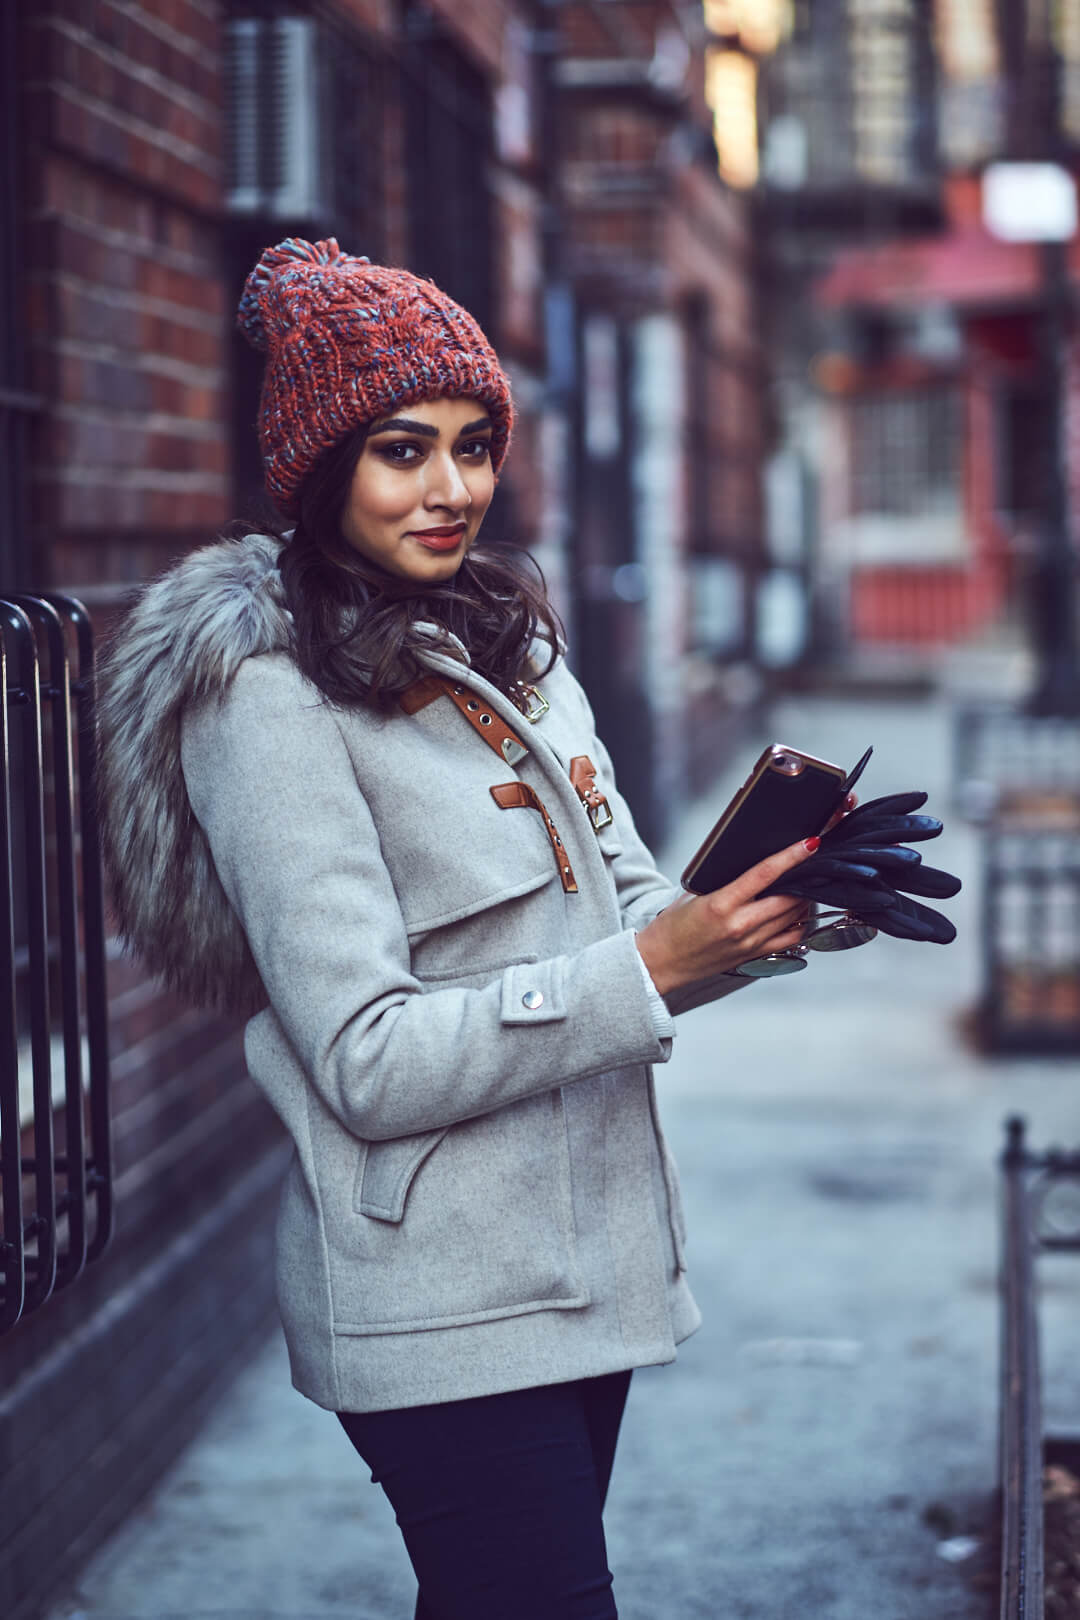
906	453
449	140
305	115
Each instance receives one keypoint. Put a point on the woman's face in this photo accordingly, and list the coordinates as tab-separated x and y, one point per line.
420	489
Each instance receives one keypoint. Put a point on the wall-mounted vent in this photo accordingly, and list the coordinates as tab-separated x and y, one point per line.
279	157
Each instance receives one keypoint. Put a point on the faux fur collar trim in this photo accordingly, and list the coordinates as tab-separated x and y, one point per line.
183	638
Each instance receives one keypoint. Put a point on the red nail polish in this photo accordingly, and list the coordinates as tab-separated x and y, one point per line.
811	844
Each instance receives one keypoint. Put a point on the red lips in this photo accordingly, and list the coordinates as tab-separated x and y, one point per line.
444	539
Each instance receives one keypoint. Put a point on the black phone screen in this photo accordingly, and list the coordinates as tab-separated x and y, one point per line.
775	809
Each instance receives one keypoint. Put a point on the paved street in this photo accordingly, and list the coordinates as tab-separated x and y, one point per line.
834	1421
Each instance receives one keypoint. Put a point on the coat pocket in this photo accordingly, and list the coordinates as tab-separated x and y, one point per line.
459	1225
386	1170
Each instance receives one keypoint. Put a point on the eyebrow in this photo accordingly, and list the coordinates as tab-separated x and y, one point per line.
407	424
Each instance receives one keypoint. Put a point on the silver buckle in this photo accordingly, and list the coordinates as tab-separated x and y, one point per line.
600	815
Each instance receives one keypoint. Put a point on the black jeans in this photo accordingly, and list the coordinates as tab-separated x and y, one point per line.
499	1499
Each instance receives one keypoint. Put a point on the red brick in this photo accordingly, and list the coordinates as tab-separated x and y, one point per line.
179	287
185	20
182	61
377	16
91	131
156	334
177	453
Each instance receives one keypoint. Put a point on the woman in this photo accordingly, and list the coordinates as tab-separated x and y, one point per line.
351	789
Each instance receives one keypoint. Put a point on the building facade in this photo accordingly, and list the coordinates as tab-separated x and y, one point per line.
552	168
907	344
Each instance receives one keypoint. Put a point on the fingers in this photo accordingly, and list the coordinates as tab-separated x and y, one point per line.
762	937
845	810
750	884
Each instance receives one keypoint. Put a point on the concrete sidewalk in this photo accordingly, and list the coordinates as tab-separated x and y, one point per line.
834	1422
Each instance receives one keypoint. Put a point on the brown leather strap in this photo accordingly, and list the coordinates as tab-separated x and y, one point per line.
484	721
504	742
520	796
422	692
583	779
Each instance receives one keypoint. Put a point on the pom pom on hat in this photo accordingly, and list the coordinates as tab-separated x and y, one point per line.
347	342
286	255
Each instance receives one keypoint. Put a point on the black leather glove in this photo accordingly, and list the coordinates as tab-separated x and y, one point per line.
864	867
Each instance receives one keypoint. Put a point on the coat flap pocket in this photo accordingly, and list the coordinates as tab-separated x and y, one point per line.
386	1170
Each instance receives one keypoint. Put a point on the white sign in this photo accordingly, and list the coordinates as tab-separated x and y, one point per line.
1029	202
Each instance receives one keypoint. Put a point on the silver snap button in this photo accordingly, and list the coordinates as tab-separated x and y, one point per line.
472	705
533	999
485	719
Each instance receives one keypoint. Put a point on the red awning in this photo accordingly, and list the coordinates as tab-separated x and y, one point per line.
965	267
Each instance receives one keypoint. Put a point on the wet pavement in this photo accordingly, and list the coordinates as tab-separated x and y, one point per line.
825	1443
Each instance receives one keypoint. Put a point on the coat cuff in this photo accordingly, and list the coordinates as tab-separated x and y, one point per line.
662	1021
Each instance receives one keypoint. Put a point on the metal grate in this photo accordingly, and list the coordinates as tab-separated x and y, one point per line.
1004	760
55	1157
1031	930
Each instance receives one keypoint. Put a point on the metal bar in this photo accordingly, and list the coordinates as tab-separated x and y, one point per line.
1021	1395
41	1225
99	1163
72	1202
12	1269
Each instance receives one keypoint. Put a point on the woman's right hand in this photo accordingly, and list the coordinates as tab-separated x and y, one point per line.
699	936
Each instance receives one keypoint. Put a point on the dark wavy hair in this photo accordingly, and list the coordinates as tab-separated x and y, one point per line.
354	624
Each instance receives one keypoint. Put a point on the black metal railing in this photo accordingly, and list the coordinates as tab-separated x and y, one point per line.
1030	1226
56	1198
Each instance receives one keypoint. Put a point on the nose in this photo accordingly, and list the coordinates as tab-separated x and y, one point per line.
446	487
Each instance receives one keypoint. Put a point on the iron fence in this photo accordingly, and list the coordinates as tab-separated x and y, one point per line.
1031	1225
55	1158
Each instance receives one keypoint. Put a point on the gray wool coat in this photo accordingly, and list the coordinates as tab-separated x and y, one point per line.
480	1197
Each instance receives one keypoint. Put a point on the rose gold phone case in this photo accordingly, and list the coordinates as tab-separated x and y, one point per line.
787	796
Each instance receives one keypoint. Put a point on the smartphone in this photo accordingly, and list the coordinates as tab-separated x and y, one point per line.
787	796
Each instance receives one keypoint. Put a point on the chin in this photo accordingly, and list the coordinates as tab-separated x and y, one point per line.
438	570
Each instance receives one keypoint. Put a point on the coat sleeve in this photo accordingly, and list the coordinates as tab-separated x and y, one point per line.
272	785
643	890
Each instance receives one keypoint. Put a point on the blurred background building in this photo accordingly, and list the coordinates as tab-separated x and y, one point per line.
786	413
916	418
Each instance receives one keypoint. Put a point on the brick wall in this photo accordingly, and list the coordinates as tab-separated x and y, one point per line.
128	347
127	320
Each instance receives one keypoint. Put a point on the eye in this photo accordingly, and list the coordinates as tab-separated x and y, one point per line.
401	453
475	449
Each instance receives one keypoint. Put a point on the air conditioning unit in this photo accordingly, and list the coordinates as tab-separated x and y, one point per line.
279	157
